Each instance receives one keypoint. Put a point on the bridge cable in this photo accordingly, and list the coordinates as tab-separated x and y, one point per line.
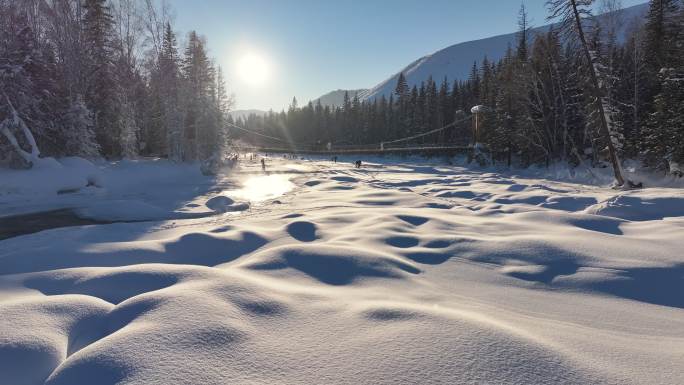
428	132
259	134
373	144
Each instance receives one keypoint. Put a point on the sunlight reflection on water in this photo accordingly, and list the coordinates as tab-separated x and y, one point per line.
263	187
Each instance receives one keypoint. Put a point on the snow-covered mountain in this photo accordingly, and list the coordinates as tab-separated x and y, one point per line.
456	61
336	98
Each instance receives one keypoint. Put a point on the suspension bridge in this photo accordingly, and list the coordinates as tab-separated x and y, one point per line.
405	145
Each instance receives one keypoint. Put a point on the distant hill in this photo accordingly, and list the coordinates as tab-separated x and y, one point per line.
456	61
336	98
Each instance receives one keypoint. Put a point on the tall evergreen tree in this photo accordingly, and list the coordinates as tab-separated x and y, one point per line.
523	34
100	81
200	136
402	88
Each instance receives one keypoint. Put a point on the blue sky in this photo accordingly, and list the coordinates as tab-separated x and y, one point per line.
311	47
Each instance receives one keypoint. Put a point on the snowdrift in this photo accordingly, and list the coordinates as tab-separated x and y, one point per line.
393	273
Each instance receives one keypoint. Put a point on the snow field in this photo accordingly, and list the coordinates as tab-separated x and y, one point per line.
394	273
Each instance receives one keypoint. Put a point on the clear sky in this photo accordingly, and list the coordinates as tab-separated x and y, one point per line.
272	50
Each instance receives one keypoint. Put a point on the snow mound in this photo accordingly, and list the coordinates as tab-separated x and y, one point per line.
414	220
303	231
90	250
640	208
333	265
32	347
224	204
219	202
112	285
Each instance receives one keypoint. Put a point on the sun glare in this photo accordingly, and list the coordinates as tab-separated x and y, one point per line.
253	69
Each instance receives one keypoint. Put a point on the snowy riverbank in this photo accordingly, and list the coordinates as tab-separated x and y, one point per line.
408	272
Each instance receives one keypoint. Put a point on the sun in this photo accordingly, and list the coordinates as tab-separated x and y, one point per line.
253	69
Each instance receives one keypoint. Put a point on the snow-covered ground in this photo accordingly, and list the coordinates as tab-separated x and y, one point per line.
321	273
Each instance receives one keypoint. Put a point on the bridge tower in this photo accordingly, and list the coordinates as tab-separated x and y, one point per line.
477	119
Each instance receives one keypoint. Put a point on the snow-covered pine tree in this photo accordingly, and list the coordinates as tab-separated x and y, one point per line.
412	113
487	84
475	83
402	88
197	81
431	107
630	92
444	109
609	67
664	44
499	138
660	40
402	100
223	105
665	129
172	113
356	116
77	128
101	91
523	34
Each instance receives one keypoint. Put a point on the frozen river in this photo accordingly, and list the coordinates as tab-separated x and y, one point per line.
318	272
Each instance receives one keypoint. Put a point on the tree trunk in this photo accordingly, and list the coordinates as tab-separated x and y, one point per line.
597	95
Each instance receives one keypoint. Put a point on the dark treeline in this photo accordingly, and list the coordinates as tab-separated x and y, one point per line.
572	94
104	78
409	111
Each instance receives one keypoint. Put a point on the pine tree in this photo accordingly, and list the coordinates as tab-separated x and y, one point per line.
665	127
170	137
100	83
660	39
631	93
523	34
402	104
223	103
664	47
402	89
475	84
200	130
77	123
444	107
501	137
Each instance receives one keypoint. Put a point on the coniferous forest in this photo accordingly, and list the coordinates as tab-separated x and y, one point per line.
104	78
109	78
